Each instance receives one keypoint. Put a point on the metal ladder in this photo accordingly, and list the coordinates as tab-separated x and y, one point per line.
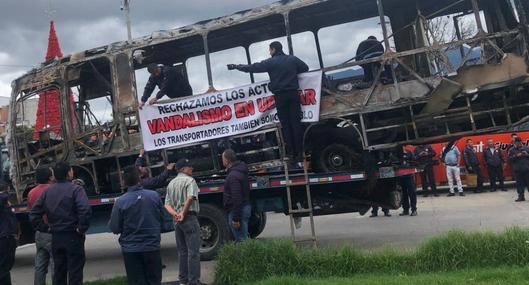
288	185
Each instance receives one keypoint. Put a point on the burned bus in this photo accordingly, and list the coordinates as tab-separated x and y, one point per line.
418	93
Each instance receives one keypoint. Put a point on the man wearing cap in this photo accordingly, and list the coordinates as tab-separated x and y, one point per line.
66	206
137	217
283	71
8	233
519	158
148	182
181	201
43	255
170	81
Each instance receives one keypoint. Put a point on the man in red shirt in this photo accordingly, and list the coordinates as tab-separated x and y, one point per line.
44	177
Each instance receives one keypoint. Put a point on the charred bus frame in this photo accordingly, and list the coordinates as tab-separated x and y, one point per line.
417	106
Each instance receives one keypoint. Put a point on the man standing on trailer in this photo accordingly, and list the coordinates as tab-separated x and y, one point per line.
494	160
236	195
370	48
137	216
424	155
66	206
170	81
519	158
472	164
181	202
43	255
283	71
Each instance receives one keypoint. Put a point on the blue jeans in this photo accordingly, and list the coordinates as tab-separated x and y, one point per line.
188	242
43	257
242	233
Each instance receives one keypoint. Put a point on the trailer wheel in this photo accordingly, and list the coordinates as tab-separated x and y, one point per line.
256	224
337	157
214	230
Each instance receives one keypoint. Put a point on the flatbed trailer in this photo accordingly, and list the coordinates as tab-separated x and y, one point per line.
332	193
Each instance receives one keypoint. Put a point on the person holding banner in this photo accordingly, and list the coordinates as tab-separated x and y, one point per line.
170	82
283	71
147	181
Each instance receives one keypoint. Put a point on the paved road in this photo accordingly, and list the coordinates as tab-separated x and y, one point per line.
486	211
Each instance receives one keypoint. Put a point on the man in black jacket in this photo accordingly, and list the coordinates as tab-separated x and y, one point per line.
368	49
424	155
519	158
494	160
283	71
472	164
170	82
8	234
66	206
407	183
236	195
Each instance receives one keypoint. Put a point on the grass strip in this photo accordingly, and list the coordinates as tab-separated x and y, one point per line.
456	250
504	275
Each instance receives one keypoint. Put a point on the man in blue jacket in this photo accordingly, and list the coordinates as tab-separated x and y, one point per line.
283	71
236	195
137	216
66	206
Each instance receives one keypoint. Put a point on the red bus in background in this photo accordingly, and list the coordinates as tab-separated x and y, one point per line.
480	145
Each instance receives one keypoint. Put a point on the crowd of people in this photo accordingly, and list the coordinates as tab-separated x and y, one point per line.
60	213
495	161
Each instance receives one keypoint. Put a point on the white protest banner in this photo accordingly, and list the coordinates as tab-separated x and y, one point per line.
220	114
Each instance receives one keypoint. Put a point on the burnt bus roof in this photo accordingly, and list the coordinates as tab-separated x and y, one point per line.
254	25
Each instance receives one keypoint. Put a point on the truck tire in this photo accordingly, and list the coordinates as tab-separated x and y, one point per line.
256	224
214	230
337	157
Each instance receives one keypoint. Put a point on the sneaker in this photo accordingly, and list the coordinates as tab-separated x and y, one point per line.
493	190
413	213
436	195
520	199
450	195
461	194
404	213
504	190
387	214
425	195
373	215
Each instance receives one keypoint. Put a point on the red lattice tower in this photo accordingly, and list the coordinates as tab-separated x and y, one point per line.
49	107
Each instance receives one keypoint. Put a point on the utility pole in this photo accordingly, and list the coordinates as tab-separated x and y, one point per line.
126	7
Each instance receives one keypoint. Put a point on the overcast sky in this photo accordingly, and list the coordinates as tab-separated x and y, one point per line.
82	25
